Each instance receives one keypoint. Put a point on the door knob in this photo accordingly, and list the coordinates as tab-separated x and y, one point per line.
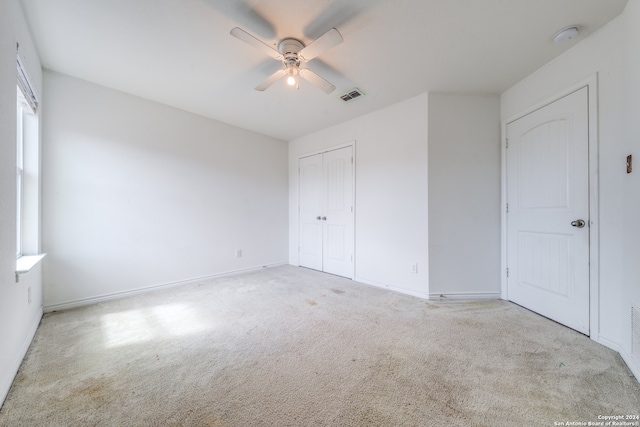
324	218
578	223
318	218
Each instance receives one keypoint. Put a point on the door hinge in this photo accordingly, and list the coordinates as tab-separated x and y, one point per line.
506	142
507	207
351	159
507	272
351	209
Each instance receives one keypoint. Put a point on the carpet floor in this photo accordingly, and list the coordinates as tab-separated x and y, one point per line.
288	346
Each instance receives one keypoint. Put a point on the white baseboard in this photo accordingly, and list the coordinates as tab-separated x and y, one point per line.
10	375
124	294
391	288
631	363
466	296
613	345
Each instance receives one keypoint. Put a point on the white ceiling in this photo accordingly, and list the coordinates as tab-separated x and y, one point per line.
180	53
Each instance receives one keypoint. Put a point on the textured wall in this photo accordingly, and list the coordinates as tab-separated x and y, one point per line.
18	317
137	194
464	195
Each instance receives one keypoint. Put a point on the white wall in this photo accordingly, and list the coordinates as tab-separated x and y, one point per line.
391	193
18	318
464	195
614	53
137	194
631	191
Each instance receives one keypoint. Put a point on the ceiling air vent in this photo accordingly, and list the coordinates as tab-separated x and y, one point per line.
352	94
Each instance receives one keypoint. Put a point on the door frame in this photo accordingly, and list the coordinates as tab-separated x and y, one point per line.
351	144
594	216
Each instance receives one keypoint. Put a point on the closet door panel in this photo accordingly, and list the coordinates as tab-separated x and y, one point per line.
338	231
311	196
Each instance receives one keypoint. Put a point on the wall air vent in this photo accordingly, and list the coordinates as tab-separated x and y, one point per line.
352	94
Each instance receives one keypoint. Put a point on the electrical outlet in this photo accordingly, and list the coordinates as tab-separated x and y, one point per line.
238	253
414	268
29	294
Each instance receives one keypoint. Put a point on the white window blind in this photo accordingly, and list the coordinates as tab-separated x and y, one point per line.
26	94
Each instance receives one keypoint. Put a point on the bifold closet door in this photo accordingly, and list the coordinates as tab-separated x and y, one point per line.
311	191
326	195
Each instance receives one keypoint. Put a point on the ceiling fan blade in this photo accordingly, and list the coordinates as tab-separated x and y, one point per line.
325	42
241	34
271	79
316	80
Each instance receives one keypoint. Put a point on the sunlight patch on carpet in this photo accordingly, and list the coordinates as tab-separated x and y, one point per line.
143	325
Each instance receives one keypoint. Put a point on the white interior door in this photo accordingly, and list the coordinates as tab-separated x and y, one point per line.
311	194
338	236
327	212
548	211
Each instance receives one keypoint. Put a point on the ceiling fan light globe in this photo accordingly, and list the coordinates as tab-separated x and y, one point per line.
291	80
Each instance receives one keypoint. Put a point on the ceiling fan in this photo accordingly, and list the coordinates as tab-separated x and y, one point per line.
292	52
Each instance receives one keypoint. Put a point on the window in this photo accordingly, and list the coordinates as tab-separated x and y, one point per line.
27	175
27	165
19	175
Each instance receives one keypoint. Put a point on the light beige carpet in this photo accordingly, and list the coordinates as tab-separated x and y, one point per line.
292	347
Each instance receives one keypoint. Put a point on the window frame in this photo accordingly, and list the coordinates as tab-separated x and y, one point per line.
19	175
27	165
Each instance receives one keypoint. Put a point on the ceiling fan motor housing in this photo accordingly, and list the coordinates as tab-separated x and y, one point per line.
290	47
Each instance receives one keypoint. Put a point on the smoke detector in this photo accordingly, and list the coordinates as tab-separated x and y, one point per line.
565	34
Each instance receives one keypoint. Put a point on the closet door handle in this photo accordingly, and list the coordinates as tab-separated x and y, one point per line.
578	223
318	218
324	218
